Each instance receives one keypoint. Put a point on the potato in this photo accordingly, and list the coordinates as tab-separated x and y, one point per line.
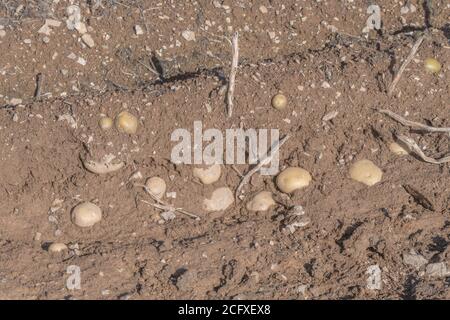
397	149
126	122
432	65
262	201
103	166
220	200
105	123
156	186
279	101
208	175
57	247
86	214
293	178
365	171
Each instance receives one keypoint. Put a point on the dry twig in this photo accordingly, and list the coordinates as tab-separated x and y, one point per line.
234	65
37	92
400	71
265	160
410	143
413	147
161	205
413	124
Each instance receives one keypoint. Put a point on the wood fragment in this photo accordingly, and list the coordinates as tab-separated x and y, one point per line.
265	160
419	198
37	92
231	81
400	71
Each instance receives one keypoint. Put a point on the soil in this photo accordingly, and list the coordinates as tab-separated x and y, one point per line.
168	83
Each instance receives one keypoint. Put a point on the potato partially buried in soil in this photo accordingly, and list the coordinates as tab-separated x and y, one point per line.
262	201
107	164
220	200
293	178
365	171
86	214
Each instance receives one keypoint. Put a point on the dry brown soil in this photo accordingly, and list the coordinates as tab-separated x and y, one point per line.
315	53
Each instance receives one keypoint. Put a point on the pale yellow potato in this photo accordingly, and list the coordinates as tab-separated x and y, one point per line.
86	214
57	247
156	186
365	171
105	123
397	149
106	164
279	101
262	201
432	65
126	122
220	200
293	178
208	175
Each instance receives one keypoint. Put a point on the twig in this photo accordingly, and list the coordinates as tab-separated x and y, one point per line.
149	68
413	147
410	143
428	13
405	64
265	160
413	124
234	64
37	92
161	205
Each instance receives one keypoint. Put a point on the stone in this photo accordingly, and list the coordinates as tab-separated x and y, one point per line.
188	35
87	39
437	270
414	259
138	30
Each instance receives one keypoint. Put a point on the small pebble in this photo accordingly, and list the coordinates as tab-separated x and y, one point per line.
188	35
138	30
87	39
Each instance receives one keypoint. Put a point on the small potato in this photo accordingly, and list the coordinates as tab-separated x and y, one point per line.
107	164
220	200
86	214
156	186
279	101
293	178
365	171
397	149
57	247
261	202
208	175
126	122
432	65
105	123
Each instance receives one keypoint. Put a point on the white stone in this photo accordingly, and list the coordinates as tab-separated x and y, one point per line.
188	35
80	27
138	30
414	259
81	61
87	39
438	270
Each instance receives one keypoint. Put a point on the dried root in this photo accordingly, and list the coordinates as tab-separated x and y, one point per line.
165	207
265	160
410	143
